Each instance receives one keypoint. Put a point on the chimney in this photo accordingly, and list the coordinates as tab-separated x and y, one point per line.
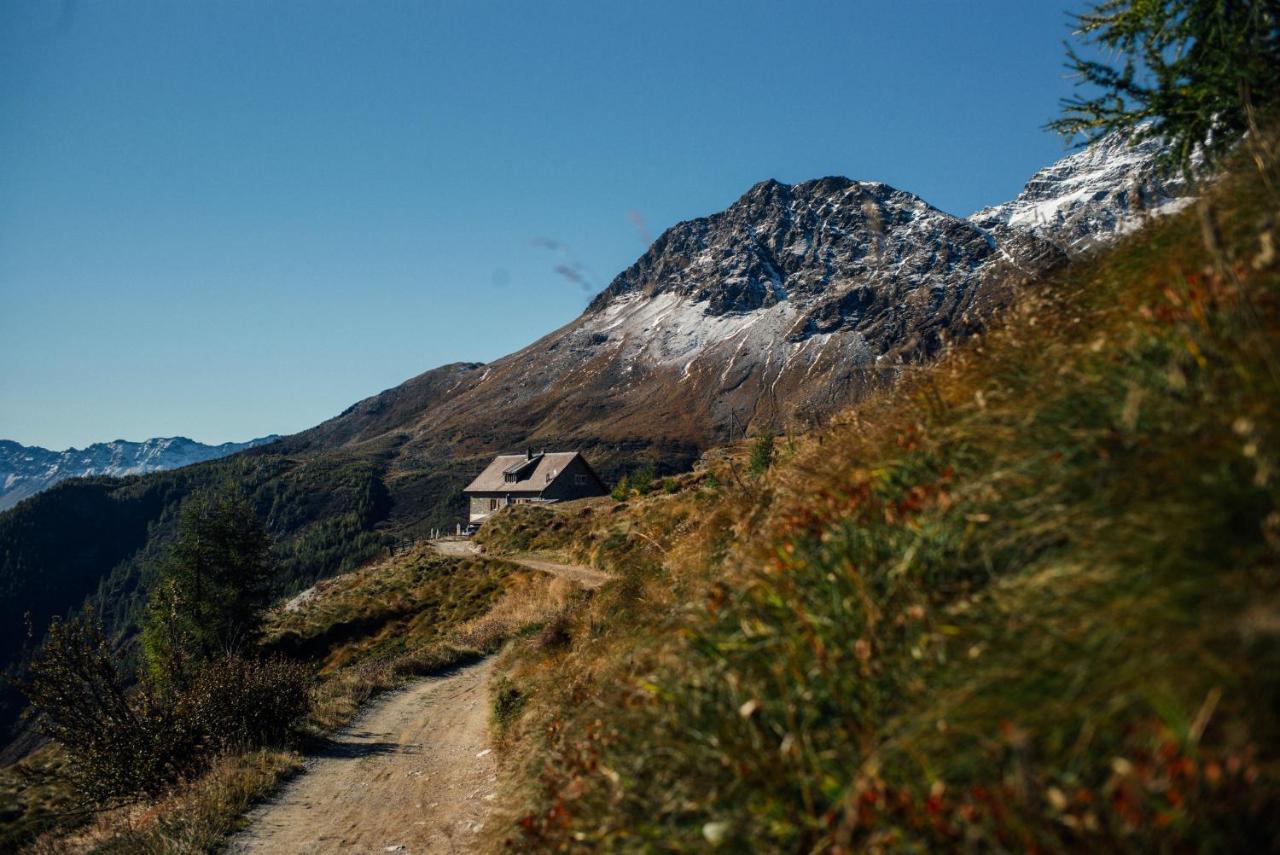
529	453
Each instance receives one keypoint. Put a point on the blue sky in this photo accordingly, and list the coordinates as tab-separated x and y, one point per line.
226	219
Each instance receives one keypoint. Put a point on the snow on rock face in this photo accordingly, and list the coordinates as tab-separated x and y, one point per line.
1093	195
28	470
799	242
786	263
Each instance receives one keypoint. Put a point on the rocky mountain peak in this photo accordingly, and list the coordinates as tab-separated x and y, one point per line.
797	296
800	242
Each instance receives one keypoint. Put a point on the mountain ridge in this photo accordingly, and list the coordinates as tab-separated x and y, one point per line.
1104	189
29	469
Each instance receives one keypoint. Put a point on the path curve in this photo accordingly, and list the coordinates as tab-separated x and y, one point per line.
587	577
414	773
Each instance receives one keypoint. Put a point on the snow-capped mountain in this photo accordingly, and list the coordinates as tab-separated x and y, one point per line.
1094	194
790	297
790	303
26	470
794	300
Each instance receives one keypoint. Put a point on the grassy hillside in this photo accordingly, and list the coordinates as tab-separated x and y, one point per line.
1029	600
389	607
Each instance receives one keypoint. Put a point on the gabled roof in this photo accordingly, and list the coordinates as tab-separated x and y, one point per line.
526	462
531	474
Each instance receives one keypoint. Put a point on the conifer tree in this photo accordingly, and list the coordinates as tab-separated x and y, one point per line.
1198	73
212	589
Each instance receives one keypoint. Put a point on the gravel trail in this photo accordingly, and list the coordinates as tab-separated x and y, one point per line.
414	773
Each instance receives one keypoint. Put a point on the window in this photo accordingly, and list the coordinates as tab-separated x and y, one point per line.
493	504
580	480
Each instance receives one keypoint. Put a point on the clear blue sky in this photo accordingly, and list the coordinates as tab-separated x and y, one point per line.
226	219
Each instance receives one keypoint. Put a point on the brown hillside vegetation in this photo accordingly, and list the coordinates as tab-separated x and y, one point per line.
1027	601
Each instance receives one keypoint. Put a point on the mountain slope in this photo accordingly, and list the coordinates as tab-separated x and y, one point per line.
26	470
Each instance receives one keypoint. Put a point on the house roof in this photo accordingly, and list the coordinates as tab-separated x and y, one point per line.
532	474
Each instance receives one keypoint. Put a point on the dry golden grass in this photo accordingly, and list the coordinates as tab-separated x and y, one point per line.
527	599
197	817
35	795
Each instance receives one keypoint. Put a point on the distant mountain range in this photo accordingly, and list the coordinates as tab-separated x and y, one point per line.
27	469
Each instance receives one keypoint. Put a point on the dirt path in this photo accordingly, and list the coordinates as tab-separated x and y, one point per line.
460	548
413	774
587	577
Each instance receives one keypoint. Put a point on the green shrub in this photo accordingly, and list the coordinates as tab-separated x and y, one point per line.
118	743
508	700
762	453
642	479
621	490
238	703
638	482
123	742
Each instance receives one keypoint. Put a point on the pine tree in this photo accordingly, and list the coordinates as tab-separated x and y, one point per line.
1196	72
212	588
